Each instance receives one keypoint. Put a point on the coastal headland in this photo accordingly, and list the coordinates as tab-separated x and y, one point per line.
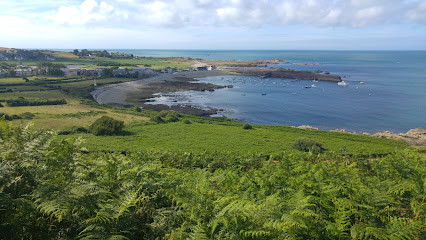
238	63
285	73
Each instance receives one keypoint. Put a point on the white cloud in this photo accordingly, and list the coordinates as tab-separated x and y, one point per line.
88	12
247	13
417	14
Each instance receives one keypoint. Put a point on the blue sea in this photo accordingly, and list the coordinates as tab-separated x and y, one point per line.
393	97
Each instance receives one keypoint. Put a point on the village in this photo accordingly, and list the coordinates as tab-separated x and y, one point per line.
70	71
20	63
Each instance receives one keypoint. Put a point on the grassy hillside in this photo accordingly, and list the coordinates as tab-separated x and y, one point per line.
223	135
68	58
54	189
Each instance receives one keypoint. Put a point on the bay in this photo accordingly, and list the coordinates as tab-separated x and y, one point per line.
393	97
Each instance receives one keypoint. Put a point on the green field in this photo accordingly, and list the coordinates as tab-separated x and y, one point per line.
91	63
221	137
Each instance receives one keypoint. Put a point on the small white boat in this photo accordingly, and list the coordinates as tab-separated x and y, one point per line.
342	83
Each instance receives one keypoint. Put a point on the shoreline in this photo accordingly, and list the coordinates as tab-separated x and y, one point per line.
413	137
138	92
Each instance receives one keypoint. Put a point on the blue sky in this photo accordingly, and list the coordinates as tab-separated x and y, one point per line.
214	24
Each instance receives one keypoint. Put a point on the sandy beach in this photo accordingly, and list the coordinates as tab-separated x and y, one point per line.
124	93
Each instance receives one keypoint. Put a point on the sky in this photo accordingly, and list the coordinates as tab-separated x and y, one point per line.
214	24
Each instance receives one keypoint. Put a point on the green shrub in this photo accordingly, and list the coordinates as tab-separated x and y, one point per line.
73	130
172	118
187	121
247	126
27	115
79	130
164	113
307	145
24	102
65	132
9	118
157	119
106	126
137	109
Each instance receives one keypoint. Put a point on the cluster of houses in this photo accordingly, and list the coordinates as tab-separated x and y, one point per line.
121	71
191	69
21	71
207	68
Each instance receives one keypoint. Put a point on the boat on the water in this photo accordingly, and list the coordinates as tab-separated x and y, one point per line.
342	83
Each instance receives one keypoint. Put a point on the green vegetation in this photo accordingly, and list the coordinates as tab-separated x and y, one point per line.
106	126
52	188
307	145
165	175
50	69
25	102
222	135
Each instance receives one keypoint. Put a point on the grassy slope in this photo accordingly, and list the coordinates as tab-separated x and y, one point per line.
73	114
198	137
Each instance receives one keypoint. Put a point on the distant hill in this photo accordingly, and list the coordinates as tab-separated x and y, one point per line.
9	54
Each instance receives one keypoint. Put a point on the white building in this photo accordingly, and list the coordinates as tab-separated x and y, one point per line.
211	68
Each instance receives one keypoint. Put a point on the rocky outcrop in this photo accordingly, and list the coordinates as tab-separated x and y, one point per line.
414	137
237	63
307	127
284	73
310	64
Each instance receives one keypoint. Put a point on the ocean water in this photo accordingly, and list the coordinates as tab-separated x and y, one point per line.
393	97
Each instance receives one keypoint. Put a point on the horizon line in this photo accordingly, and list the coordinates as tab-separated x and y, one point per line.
200	49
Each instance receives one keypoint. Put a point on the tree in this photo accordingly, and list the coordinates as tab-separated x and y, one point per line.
12	72
107	72
84	52
76	52
51	69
